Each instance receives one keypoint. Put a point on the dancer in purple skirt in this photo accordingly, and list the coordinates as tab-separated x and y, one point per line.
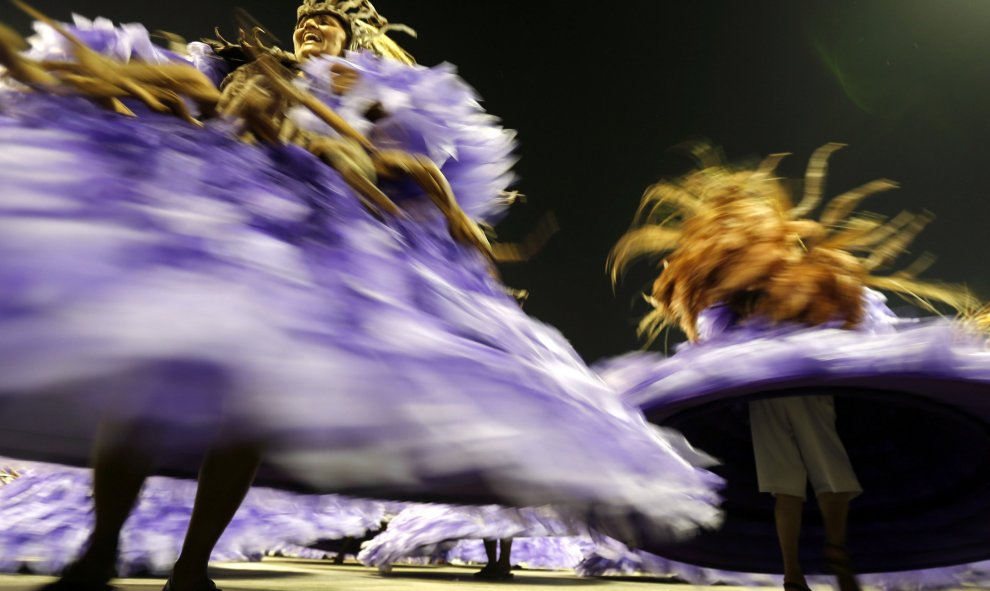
776	305
280	278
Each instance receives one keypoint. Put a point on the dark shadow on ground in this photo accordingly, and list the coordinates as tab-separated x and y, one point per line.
520	578
219	572
647	579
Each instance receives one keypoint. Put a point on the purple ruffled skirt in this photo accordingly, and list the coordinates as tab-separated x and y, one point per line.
913	407
175	279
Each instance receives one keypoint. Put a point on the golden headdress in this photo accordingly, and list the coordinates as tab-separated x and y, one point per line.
734	236
367	29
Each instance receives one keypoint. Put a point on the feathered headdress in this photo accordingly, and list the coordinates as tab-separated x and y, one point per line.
981	318
735	237
367	29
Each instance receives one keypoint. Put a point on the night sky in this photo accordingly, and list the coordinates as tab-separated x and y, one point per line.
600	93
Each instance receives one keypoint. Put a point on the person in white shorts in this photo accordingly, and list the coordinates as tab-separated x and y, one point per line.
795	440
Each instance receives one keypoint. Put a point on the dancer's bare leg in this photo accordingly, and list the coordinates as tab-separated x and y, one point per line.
505	556
121	463
835	514
787	516
491	552
224	479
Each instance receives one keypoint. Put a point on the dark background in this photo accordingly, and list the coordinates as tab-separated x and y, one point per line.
600	91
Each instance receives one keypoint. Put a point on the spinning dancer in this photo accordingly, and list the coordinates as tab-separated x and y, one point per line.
279	277
779	312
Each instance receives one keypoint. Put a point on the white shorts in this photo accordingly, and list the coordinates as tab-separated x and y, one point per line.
794	439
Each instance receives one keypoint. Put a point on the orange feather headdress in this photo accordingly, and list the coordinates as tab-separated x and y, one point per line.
735	236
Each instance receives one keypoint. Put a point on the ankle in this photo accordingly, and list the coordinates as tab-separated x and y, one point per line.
795	576
836	553
187	572
92	567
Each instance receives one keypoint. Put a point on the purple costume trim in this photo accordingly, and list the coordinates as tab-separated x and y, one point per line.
429	111
124	43
47	517
427	530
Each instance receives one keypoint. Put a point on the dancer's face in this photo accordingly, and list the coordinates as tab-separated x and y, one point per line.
317	35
